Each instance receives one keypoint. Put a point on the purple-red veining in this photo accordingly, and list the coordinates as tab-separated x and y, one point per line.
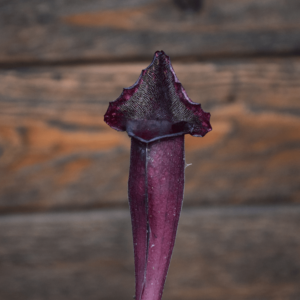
156	113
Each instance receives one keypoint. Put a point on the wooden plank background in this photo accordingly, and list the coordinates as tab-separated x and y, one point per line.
59	154
228	253
51	31
64	220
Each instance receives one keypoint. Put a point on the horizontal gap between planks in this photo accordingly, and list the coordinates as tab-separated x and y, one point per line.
246	210
138	59
240	209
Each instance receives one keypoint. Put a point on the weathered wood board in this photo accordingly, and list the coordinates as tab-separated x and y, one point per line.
62	61
221	253
36	31
57	153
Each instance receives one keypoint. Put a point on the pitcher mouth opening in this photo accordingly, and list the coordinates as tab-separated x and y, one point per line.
148	131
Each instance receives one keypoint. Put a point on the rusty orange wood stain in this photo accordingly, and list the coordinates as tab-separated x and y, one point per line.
119	19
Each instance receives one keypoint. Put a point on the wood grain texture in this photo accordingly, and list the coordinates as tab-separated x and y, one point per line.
34	31
225	253
57	153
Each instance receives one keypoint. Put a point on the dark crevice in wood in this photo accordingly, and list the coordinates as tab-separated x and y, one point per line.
27	210
203	209
189	5
138	59
69	126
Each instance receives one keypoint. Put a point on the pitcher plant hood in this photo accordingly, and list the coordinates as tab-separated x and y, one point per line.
157	106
